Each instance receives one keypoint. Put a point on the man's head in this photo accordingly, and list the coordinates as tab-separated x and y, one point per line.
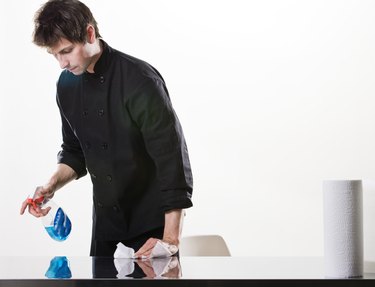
67	19
70	33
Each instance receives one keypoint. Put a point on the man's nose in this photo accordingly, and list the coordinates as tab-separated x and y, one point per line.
62	61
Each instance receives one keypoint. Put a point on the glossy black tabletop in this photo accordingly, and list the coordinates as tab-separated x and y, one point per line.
183	271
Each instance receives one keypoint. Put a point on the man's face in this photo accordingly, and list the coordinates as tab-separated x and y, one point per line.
74	57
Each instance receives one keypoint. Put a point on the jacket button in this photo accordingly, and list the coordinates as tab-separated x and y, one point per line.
104	146
109	178
101	112
85	113
102	79
115	208
93	175
100	205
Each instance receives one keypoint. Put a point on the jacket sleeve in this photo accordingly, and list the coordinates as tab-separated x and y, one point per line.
151	110
71	153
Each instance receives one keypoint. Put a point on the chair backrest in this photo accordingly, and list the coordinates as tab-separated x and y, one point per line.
203	245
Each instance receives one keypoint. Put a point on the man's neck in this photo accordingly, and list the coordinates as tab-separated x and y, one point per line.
98	50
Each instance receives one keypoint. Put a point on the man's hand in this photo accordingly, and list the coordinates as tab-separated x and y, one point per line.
34	209
62	176
41	194
146	249
156	248
172	233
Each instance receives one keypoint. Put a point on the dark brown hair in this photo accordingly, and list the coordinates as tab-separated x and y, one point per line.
58	19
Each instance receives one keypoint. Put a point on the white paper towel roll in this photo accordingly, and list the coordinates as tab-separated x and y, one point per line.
343	228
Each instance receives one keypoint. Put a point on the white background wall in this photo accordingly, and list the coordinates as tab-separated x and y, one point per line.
273	96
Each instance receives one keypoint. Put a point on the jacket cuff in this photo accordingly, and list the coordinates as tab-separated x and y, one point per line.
176	199
77	165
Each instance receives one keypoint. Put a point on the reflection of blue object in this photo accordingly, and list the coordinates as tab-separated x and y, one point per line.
59	268
61	226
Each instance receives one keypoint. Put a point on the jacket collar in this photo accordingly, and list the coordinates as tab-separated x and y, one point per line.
103	62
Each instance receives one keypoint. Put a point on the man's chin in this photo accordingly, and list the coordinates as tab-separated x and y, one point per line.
76	72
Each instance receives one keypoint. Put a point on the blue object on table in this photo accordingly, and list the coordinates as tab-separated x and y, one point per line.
59	268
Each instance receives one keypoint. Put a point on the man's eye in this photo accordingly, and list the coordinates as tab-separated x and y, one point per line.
66	51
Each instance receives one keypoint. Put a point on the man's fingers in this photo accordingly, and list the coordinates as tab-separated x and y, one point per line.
146	254
34	206
23	207
45	211
32	211
146	249
38	212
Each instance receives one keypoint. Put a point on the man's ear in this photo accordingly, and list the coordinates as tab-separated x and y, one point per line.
91	37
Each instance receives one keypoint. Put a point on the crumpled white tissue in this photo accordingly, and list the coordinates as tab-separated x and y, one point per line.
163	249
123	251
160	250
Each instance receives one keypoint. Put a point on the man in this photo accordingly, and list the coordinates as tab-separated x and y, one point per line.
119	125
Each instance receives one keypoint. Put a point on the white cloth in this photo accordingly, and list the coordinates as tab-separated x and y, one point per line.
163	249
160	250
123	251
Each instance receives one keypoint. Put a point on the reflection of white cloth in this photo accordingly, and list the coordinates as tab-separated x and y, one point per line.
124	267
162	266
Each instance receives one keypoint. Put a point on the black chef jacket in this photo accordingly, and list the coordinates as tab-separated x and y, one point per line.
118	124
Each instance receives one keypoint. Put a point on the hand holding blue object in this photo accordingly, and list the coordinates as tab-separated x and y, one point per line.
54	219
